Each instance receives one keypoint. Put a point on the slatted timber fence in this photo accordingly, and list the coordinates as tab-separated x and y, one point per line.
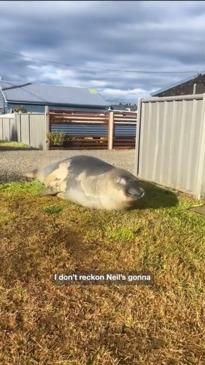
124	129
94	130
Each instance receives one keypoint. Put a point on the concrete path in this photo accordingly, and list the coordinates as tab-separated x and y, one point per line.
13	164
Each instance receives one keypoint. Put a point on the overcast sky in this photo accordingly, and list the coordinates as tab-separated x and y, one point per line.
100	42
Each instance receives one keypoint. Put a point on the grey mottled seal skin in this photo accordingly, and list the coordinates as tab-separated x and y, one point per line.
91	182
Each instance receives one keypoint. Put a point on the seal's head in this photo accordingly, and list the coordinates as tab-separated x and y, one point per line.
130	187
123	190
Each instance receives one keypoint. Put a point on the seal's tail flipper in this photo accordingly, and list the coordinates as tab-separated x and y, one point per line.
32	174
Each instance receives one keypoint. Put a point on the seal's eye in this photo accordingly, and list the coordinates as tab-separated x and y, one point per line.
121	180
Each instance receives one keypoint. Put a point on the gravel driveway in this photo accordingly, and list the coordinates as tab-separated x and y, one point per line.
13	164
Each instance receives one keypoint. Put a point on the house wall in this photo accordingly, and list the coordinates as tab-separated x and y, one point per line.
30	108
77	108
186	88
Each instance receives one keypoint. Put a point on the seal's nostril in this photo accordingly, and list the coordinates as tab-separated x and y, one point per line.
136	193
132	192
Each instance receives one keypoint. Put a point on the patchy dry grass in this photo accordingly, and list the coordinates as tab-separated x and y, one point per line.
12	145
50	324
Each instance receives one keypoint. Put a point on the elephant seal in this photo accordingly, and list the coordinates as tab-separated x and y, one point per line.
90	182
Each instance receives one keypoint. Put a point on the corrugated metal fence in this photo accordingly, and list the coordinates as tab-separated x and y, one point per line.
170	144
27	128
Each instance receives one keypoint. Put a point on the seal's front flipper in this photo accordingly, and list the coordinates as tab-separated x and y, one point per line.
61	195
31	174
49	193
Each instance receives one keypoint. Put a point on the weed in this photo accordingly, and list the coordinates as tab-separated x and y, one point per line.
120	234
53	209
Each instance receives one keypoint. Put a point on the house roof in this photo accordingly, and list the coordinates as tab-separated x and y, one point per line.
170	86
50	94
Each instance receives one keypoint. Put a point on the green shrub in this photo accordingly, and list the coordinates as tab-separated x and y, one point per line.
56	138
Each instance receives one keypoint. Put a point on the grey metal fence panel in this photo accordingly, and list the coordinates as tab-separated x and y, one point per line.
80	129
24	127
18	126
203	182
170	148
121	130
12	129
6	129
125	130
1	129
37	131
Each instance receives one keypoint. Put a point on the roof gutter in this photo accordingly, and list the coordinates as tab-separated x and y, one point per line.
56	104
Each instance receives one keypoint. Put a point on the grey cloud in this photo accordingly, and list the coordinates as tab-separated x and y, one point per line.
95	37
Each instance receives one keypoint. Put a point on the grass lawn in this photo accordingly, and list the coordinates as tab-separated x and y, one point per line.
12	145
46	323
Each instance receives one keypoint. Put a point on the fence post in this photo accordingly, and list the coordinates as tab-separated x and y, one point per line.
201	164
29	129
110	130
20	126
138	135
47	127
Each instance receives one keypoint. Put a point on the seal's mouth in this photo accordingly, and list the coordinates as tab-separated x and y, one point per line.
135	194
